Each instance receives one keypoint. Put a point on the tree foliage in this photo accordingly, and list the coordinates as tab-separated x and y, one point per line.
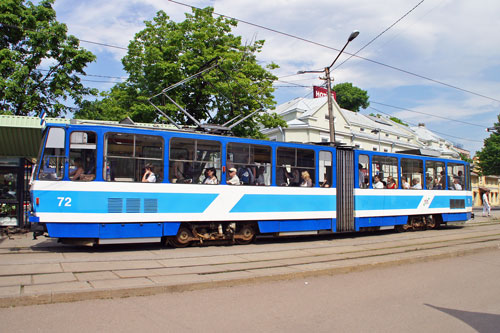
350	97
399	121
38	60
166	52
465	158
489	156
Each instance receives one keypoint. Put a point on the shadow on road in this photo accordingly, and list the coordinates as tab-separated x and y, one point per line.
481	322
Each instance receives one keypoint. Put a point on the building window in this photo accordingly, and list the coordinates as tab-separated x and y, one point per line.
387	134
361	129
375	148
386	150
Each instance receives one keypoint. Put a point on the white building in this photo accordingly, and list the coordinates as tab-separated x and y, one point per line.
307	121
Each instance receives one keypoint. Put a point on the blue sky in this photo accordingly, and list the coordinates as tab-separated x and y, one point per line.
455	42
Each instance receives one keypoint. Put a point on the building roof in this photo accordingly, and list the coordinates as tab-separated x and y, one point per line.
424	134
422	137
306	105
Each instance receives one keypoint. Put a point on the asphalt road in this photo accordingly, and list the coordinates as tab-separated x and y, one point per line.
450	295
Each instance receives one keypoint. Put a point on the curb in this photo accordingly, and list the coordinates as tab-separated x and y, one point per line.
65	297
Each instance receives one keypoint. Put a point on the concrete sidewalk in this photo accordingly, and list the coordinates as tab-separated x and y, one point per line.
43	271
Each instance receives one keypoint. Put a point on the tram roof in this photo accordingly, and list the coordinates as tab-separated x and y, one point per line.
20	136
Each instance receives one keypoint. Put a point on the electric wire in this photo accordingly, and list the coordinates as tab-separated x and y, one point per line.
429	114
304	40
413	124
354	55
380	34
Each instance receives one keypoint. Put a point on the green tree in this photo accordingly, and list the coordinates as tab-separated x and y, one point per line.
399	121
166	52
465	158
350	97
489	156
30	35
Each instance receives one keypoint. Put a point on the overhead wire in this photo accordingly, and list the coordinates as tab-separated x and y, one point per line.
354	55
380	34
429	114
413	124
304	40
93	75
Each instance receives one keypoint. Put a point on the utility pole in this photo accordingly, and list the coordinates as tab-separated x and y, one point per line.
331	119
329	80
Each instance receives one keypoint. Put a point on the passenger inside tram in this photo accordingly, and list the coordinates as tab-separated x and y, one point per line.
416	184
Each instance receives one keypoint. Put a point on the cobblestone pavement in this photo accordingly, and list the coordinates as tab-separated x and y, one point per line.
43	271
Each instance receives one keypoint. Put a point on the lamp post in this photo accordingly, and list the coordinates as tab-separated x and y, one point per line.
328	79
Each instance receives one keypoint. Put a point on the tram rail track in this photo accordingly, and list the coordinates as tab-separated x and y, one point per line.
31	275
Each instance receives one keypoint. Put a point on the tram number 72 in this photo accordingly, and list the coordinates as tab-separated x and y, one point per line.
64	201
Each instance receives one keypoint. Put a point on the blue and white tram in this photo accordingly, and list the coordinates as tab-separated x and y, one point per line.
91	184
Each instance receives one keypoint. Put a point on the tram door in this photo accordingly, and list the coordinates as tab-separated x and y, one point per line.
345	189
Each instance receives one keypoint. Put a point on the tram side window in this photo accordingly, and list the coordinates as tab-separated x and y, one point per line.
82	156
52	166
456	176
127	155
193	161
384	172
363	171
411	173
325	169
435	177
252	162
295	167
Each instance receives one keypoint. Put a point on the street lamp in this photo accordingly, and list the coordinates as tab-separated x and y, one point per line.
353	35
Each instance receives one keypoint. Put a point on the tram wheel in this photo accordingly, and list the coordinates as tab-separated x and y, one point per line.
431	223
182	239
246	235
402	227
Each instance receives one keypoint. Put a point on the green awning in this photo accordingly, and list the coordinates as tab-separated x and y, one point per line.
20	136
